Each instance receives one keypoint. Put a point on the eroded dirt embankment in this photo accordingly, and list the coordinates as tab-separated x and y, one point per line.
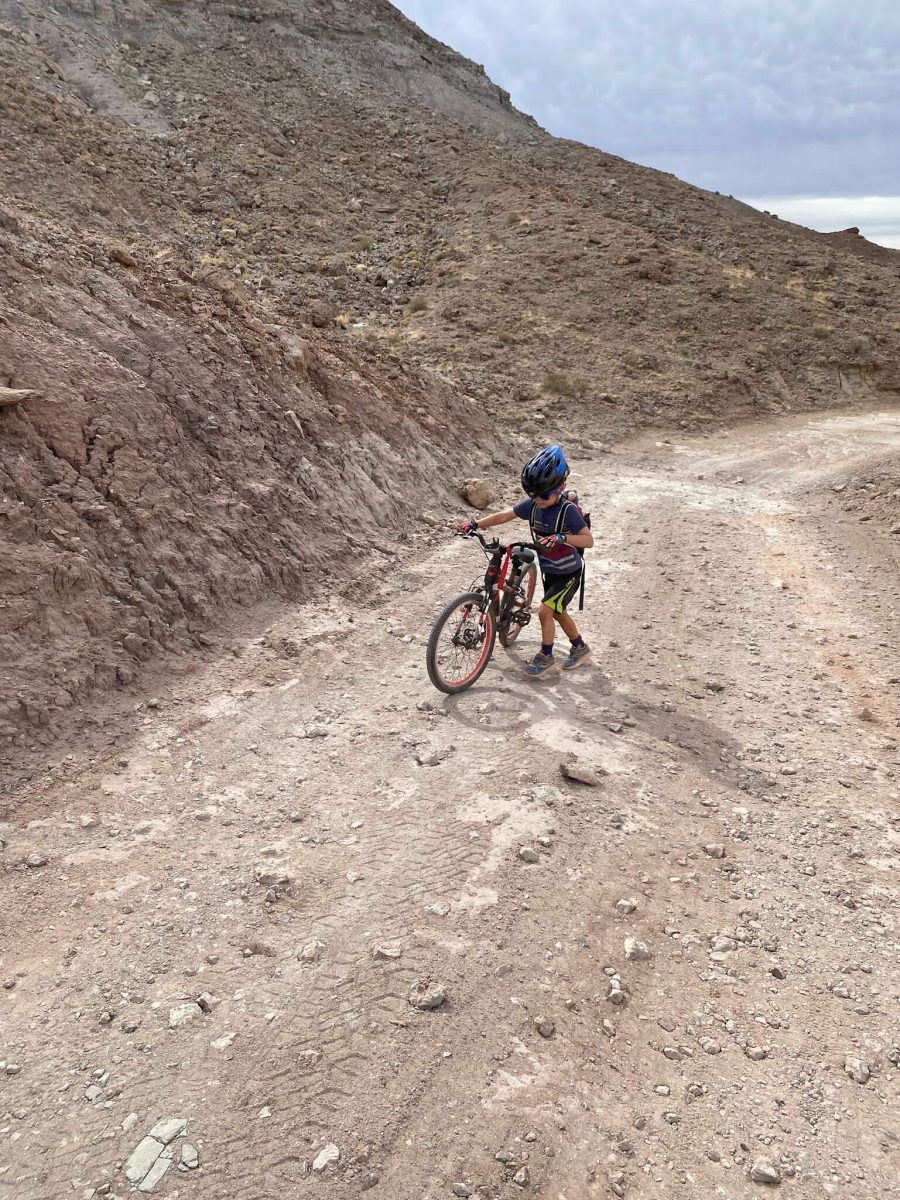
169	465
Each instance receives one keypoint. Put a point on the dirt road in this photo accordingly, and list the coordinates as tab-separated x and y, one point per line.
225	919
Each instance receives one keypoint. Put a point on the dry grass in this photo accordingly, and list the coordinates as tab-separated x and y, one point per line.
558	383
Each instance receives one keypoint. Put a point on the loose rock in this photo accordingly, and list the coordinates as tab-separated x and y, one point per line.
183	1014
168	1129
544	1026
580	773
142	1158
636	951
857	1068
326	1158
311	951
710	1045
765	1171
427	995
477	492
156	1172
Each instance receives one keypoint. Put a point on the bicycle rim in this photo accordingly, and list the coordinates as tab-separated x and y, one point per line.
508	630
460	644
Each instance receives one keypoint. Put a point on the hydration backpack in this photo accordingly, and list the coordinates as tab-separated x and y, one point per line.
569	497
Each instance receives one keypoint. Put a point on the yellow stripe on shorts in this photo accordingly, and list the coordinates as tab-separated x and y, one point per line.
555	602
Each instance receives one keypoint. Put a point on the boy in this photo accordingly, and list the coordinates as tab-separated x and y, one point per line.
560	531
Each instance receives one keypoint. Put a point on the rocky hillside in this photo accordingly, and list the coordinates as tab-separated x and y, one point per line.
235	244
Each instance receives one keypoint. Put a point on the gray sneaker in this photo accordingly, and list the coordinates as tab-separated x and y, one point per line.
577	656
540	665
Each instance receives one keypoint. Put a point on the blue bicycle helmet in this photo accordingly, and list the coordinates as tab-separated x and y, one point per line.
545	472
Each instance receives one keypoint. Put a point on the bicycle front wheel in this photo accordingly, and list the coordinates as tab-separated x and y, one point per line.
509	629
461	643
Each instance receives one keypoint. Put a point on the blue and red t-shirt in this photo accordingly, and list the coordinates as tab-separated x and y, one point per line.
561	559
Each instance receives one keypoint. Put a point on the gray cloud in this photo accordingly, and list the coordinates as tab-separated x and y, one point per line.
749	97
876	217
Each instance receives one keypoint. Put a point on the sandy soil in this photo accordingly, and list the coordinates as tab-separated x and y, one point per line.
266	842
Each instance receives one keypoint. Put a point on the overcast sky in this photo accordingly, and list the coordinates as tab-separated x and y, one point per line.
762	99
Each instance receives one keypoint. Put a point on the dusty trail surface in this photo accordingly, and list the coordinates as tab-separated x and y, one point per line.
223	921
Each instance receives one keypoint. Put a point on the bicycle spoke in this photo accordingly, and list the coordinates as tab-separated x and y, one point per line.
460	647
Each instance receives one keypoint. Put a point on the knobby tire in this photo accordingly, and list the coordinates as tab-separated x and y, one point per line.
507	632
439	676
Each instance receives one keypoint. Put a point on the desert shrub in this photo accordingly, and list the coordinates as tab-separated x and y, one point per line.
822	331
417	304
558	383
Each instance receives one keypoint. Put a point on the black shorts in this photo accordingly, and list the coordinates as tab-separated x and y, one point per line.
559	590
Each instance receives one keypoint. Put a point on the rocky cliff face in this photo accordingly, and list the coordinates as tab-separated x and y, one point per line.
253	257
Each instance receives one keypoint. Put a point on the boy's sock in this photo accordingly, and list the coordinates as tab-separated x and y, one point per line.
545	649
576	642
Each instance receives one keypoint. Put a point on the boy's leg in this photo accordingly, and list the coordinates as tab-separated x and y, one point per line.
548	614
568	626
548	619
579	651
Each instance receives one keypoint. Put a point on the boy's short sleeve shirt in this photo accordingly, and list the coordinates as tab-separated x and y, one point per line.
562	559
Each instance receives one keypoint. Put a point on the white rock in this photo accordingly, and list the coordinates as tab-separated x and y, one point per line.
168	1129
326	1158
636	951
857	1068
710	1045
156	1172
427	995
626	905
580	772
142	1158
311	951
183	1014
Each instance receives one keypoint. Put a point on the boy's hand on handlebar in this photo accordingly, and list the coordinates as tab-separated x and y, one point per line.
468	526
553	539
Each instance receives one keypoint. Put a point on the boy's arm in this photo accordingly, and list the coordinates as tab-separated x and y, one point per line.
581	541
578	534
498	518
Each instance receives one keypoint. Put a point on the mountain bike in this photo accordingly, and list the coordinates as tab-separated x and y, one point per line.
463	636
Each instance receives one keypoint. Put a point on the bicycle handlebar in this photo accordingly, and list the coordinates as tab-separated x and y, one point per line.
495	544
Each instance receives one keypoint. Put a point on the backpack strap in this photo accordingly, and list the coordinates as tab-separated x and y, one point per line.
561	517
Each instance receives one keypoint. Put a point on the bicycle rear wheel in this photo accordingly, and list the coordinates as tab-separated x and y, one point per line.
507	628
461	643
